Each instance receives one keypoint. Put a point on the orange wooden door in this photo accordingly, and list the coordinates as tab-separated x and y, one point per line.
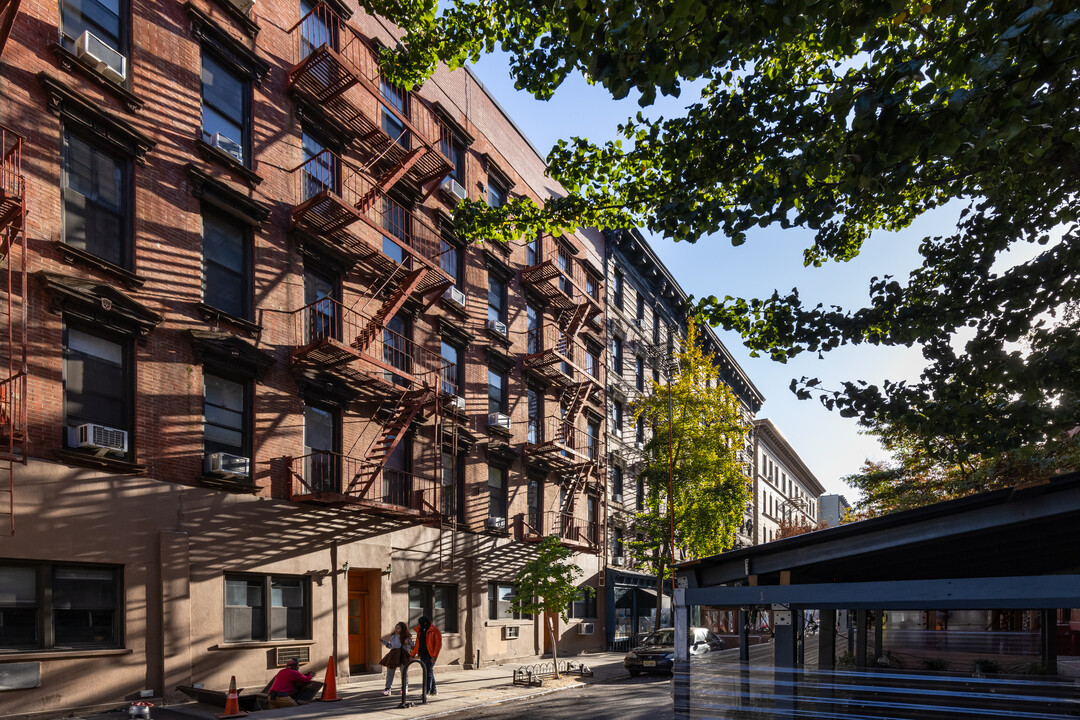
358	616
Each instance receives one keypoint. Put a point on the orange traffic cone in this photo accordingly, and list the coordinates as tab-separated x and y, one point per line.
329	692
232	703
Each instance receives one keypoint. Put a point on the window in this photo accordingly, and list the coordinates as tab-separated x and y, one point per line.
106	20
454	151
592	439
532	251
536	415
97	204
321	169
322	438
583	606
497	492
534	341
656	327
616	418
226	415
617	290
450	261
639	373
497	382
656	375
396	475
640	493
639	430
536	504
438	602
227	281
97	383
453	370
397	349
496	193
226	109
59	607
398	99
617	543
592	285
248	596
452	476
496	298
592	360
501	599
616	483
616	355
321	298
566	271
640	310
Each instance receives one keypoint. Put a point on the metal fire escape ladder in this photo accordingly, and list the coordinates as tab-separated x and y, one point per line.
13	255
573	399
404	411
573	320
447	523
389	308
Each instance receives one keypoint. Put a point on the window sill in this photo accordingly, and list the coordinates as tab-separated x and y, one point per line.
235	486
75	457
69	63
256	644
209	313
503	339
64	654
212	154
500	430
76	256
454	308
508	623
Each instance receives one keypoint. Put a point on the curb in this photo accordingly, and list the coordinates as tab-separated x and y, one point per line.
503	701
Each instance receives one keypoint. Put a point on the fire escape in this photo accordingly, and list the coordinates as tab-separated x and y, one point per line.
557	351
13	255
348	203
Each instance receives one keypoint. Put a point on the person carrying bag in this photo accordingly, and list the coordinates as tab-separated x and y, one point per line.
400	645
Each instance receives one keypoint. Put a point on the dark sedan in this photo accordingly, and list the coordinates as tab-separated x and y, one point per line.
656	653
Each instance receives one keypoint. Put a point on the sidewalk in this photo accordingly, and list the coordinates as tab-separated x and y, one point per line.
458	690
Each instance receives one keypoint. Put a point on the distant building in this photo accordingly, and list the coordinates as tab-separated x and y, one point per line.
784	488
832	508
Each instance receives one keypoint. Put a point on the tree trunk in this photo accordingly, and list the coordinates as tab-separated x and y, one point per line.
554	645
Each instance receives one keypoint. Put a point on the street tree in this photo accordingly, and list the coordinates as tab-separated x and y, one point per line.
914	477
844	119
547	584
699	455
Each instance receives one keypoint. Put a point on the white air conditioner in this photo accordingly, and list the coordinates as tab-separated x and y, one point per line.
455	297
228	145
457	403
496	523
226	465
497	326
499	420
93	51
618	561
453	188
586	628
511	632
99	437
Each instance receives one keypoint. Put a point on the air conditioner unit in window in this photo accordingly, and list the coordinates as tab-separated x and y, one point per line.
453	188
618	561
457	403
586	628
228	145
496	523
455	297
99	437
499	420
92	50
511	632
226	465
639	444
497	326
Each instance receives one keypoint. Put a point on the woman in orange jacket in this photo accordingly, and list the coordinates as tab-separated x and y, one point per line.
427	647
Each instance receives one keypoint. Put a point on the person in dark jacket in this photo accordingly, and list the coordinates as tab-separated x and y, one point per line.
427	647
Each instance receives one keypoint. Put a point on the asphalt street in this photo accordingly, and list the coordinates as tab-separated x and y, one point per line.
641	698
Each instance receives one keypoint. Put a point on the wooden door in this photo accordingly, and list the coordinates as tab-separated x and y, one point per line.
358	614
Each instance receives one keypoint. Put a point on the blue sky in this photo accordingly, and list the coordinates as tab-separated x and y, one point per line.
831	446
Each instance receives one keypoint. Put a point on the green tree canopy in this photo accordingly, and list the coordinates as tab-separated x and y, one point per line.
707	431
842	117
548	582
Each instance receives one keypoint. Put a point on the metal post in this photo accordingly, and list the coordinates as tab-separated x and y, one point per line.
671	484
827	640
744	636
681	669
860	639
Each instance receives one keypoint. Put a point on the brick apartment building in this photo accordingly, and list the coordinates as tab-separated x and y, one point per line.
260	399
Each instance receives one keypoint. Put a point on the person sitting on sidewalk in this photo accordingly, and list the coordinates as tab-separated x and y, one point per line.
427	647
287	684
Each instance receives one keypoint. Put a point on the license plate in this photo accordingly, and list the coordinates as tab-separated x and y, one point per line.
649	663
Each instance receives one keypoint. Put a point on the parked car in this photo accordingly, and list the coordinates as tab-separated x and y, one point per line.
656	653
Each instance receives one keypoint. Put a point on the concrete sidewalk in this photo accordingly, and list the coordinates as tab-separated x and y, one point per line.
458	690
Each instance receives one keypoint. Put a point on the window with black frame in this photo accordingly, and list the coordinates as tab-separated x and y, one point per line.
97	201
226	415
322	439
397	479
397	349
639	373
616	483
227	266
453	369
496	193
533	329
592	439
320	170
583	606
617	355
617	289
497	390
266	607
107	20
398	99
536	416
450	259
452	474
497	494
503	601
46	606
496	299
322	292
438	602
226	109
454	150
97	384
535	502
